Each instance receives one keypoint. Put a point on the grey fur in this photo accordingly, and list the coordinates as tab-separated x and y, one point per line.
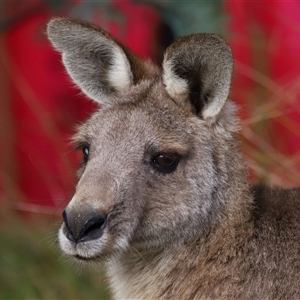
198	232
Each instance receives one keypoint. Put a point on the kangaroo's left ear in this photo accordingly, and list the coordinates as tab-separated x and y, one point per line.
198	68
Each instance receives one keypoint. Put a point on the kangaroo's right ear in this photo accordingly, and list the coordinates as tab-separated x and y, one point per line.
96	62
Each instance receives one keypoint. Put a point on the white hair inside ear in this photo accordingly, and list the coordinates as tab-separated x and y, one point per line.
119	75
176	87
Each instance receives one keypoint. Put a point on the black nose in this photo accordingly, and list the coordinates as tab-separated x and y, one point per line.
83	227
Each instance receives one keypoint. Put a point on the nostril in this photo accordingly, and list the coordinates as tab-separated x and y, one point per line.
66	229
93	228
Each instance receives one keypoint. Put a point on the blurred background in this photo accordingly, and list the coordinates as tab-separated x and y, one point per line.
39	108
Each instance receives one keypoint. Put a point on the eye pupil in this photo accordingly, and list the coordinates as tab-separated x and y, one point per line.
86	152
166	163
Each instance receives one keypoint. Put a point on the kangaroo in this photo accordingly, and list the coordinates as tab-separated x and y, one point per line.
163	197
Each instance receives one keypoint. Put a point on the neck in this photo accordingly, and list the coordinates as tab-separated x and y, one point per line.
193	270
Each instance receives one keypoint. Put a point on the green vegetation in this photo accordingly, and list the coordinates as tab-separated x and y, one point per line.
31	265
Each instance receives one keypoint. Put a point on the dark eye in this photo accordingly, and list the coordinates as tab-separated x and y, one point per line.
85	151
166	163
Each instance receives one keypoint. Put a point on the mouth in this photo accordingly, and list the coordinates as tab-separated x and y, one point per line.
87	259
95	250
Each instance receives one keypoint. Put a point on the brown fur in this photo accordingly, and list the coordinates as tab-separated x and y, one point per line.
198	230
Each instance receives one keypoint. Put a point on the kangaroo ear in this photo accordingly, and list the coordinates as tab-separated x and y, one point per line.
198	68
97	63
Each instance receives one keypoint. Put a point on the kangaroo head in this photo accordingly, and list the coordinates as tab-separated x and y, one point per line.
148	177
